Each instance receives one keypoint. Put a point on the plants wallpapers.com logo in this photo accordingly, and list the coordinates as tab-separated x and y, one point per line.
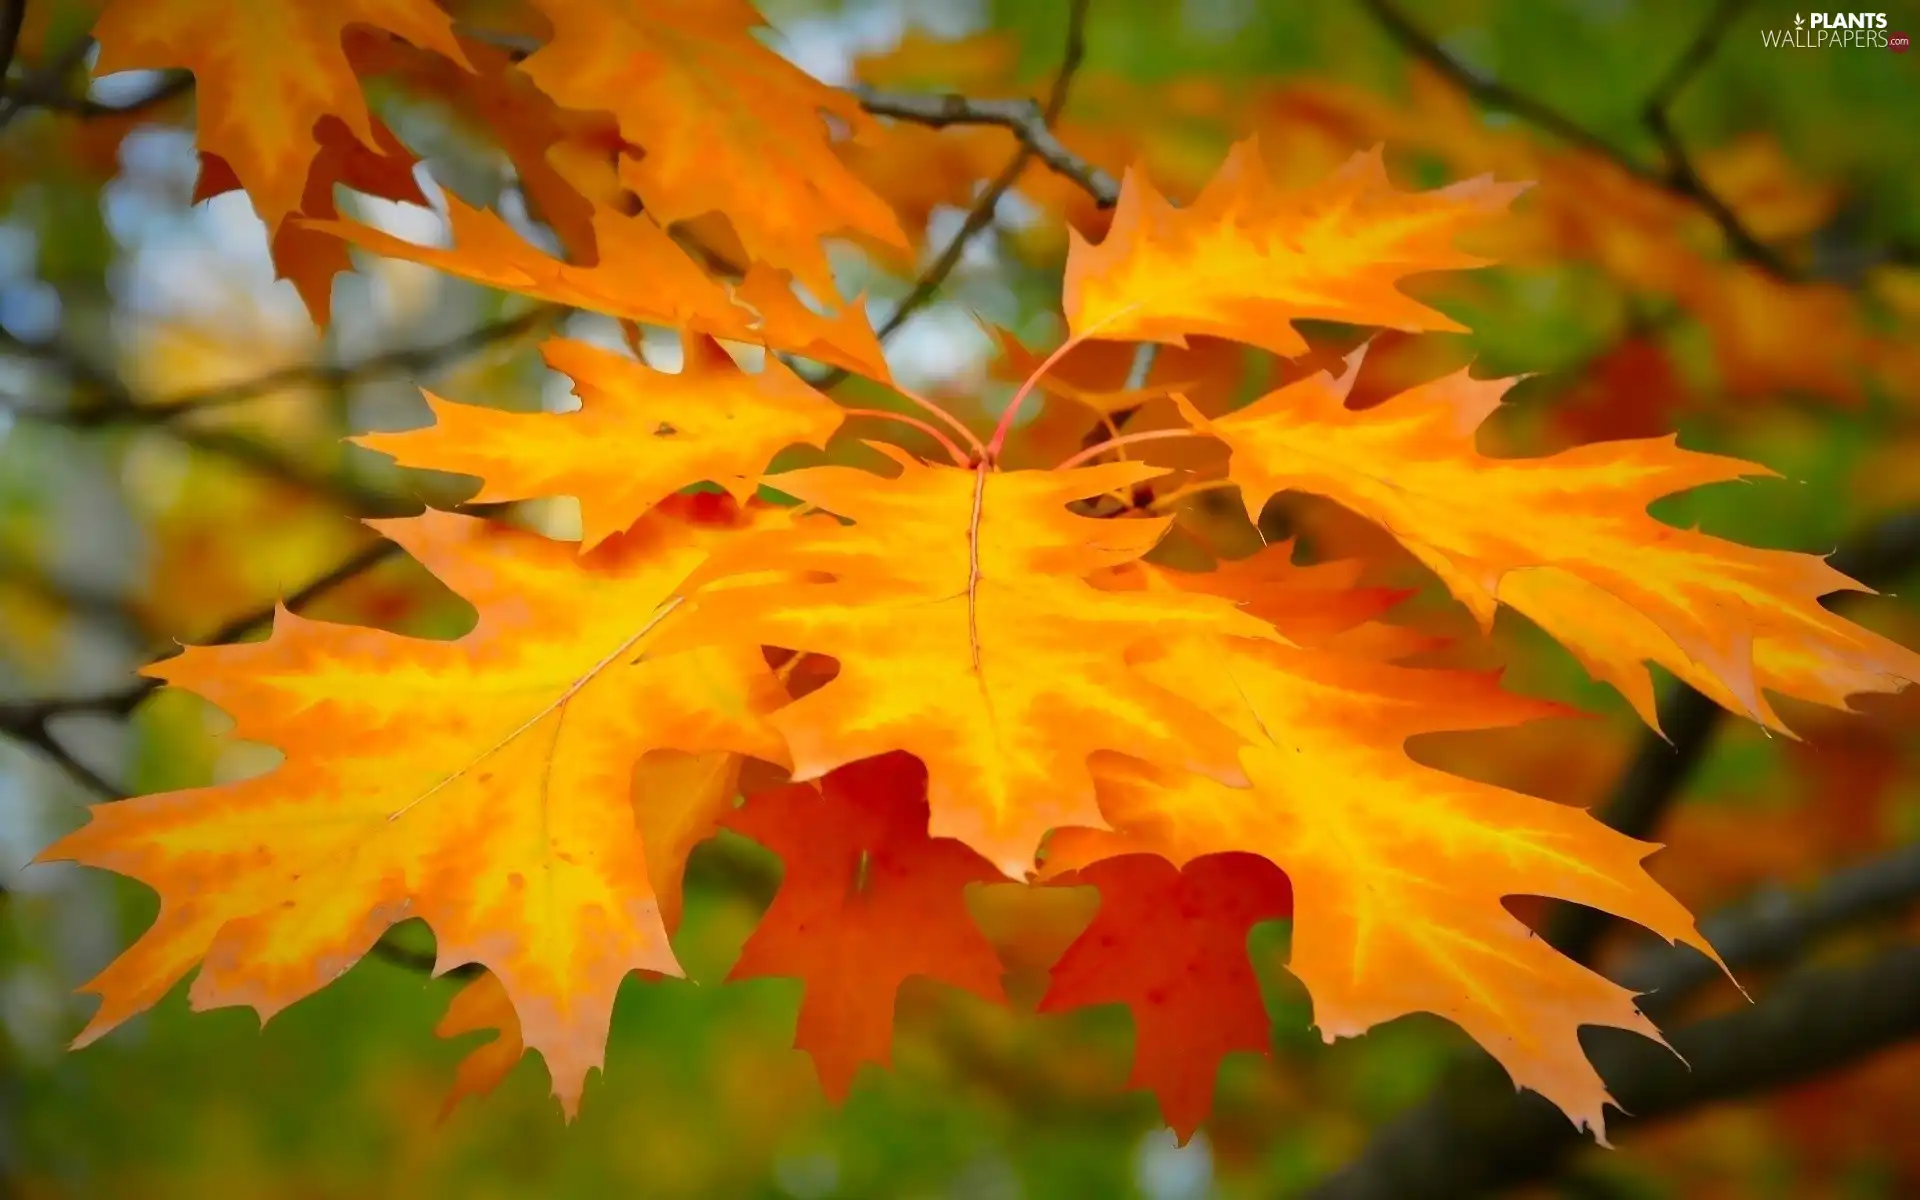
1836	31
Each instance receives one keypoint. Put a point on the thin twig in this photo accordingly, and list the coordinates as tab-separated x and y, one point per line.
981	214
1678	177
44	83
1476	1134
1026	119
13	16
122	409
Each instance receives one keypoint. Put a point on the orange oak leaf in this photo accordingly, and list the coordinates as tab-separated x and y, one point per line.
1170	943
1566	539
482	1006
481	784
678	802
868	899
727	125
708	422
640	275
1399	870
562	160
307	258
967	634
1245	260
1309	604
265	73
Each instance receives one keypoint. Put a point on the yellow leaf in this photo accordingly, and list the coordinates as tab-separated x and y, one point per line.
265	71
710	422
727	125
1567	540
481	784
640	275
967	634
1245	260
1398	870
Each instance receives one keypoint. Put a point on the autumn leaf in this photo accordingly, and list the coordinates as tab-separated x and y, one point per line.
640	275
679	801
1308	604
486	788
563	160
727	125
303	256
254	113
1245	260
480	1007
1170	943
967	635
708	422
1398	869
868	900
1567	540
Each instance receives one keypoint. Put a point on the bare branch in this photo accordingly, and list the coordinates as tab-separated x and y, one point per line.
1774	925
1025	118
120	407
405	360
44	83
13	16
1678	178
1476	1134
981	215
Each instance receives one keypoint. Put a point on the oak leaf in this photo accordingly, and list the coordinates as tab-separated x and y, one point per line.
1566	539
305	257
708	422
1245	260
1398	870
481	1006
868	900
640	274
484	787
726	124
256	113
967	634
1170	943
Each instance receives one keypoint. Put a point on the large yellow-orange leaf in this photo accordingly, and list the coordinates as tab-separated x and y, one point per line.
727	125
639	275
481	784
1398	869
1245	259
265	71
709	422
967	634
1567	540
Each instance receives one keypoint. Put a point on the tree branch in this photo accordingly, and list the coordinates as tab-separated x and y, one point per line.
1774	924
1678	179
409	359
981	214
1025	118
1477	1134
13	16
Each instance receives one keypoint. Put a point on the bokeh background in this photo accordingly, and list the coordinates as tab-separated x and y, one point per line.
1724	242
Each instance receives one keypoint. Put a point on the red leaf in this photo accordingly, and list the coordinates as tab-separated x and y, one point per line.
1171	945
868	900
